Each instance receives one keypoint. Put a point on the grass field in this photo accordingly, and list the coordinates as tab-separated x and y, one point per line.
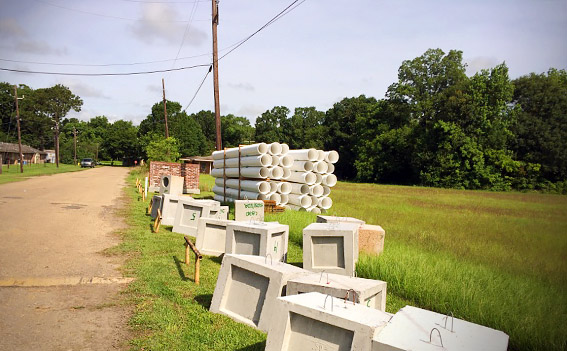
497	259
13	174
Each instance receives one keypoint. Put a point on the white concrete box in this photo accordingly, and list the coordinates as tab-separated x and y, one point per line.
248	286
331	247
249	210
171	184
211	236
157	201
169	207
258	239
315	321
221	213
188	213
413	328
368	292
337	219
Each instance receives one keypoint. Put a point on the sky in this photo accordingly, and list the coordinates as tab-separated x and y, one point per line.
317	54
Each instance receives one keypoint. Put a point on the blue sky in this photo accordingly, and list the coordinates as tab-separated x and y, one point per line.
319	53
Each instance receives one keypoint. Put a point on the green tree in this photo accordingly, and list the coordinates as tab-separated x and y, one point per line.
236	130
55	102
206	120
269	125
161	149
304	129
121	140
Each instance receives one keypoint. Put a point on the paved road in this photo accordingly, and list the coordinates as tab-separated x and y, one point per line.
57	290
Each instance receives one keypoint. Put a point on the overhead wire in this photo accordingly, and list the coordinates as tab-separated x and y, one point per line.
104	74
199	88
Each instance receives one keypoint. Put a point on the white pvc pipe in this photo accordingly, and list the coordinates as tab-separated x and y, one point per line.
308	178
320	167
275	160
295	207
248	150
286	161
314	200
302	166
318	178
298	188
313	209
258	186
234	193
326	190
316	190
248	161
284	188
276	197
320	155
275	148
286	173
329	180
273	187
249	172
331	156
304	154
276	172
325	203
299	200
330	168
284	199
285	149
220	198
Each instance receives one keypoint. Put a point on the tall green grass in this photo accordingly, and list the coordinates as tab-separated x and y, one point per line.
13	174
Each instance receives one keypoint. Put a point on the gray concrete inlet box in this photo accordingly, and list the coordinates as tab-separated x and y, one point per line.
411	328
211	236
188	213
336	219
170	184
248	286
368	292
258	238
315	321
169	207
249	210
221	213
331	247
157	202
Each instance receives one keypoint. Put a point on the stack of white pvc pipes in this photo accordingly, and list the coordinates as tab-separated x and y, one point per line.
300	179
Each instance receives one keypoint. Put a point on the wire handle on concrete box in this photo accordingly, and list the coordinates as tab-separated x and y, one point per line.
325	303
438	333
266	259
353	296
452	321
321	276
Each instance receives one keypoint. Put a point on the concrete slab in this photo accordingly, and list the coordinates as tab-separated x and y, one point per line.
169	207
315	321
211	236
157	201
413	328
371	239
171	184
331	247
248	286
249	210
258	238
368	292
329	219
188	213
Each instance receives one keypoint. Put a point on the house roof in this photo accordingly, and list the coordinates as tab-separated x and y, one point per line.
13	148
197	159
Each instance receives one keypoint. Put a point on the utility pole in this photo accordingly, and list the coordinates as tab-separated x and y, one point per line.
75	143
165	109
19	132
216	72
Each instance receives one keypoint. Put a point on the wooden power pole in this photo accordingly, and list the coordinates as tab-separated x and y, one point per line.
165	109
75	144
19	132
216	73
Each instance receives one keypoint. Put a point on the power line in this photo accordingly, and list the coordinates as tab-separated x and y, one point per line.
186	32
103	74
165	2
199	88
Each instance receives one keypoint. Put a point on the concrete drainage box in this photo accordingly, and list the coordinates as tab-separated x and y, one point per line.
248	286
368	292
211	236
258	238
221	213
371	239
188	213
169	207
331	247
157	202
249	210
315	321
171	184
335	219
413	328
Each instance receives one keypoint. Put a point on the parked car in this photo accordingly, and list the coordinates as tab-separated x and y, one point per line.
88	162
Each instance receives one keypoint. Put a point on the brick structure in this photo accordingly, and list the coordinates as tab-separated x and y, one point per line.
190	173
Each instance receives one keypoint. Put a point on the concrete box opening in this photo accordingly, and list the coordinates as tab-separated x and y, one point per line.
258	238
211	236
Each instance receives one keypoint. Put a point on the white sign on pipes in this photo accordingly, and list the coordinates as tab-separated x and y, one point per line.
249	210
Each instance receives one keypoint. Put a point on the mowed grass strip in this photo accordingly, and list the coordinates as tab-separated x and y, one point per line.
13	174
439	255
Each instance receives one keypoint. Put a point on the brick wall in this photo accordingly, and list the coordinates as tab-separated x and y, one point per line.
190	173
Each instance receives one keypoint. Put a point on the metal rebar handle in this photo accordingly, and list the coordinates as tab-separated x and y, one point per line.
439	333
325	303
452	321
266	259
321	276
353	296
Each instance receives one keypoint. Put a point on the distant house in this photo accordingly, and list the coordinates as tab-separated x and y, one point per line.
50	157
205	163
11	154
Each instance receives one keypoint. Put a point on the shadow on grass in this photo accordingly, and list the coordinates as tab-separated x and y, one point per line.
180	269
256	346
297	264
204	300
217	259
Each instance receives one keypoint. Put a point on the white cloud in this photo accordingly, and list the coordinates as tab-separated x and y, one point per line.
242	86
17	38
83	90
478	63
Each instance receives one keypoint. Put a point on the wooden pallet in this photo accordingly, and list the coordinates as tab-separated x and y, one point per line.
271	207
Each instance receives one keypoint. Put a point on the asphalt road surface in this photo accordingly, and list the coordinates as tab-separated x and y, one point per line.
58	291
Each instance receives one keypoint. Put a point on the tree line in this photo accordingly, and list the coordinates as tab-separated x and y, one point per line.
436	126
